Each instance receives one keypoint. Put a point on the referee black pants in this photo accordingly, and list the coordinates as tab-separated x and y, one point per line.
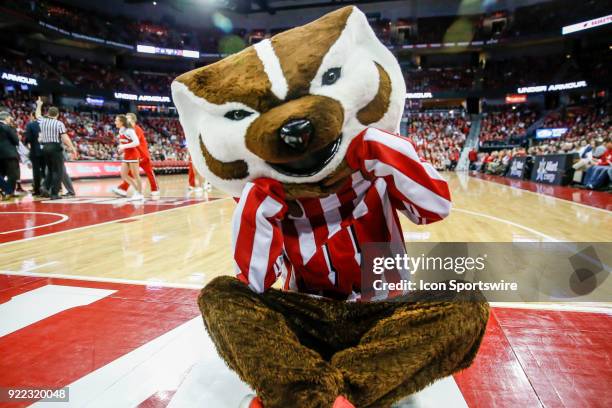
38	171
53	155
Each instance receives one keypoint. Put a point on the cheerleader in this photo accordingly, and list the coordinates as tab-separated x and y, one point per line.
128	143
196	182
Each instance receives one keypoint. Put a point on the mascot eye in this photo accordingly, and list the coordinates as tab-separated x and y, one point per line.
237	114
331	76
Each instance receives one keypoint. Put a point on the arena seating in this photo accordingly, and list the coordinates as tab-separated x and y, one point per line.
170	166
438	137
17	63
90	75
154	83
438	79
498	72
498	127
94	133
524	21
547	17
587	125
524	72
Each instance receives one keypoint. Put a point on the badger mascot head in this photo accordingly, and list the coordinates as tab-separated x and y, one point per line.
288	107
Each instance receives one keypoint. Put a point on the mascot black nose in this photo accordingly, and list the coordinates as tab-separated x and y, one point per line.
296	133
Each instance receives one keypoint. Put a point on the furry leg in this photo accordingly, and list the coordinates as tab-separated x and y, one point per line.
256	342
414	346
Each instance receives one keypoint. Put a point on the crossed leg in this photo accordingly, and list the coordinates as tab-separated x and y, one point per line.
297	350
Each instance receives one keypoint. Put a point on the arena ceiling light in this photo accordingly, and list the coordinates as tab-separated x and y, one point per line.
585	25
150	49
419	95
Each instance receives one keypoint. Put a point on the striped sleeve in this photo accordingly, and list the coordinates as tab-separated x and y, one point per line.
61	127
257	235
415	186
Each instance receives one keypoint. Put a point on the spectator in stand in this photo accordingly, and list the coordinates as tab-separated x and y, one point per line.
502	127
582	122
438	137
454	159
585	155
9	157
496	166
598	176
487	160
473	157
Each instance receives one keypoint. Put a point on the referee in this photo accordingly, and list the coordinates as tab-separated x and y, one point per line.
52	134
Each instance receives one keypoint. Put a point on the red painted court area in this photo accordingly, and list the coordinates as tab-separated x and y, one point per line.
541	358
597	199
57	350
529	358
31	218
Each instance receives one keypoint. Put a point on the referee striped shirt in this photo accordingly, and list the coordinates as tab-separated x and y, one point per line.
51	130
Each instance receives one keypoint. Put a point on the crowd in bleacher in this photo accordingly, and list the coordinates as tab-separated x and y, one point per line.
90	75
548	16
95	135
494	73
503	127
154	83
438	137
105	26
524	71
438	79
21	64
544	18
588	139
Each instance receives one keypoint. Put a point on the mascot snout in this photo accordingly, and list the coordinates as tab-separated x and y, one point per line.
296	129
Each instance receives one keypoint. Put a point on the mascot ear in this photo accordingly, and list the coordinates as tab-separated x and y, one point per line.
392	96
359	26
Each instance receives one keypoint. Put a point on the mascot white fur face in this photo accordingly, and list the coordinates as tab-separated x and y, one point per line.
288	107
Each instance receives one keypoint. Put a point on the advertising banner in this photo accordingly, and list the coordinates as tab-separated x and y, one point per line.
83	169
517	167
553	168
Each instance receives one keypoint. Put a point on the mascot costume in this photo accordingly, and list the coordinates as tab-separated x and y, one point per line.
302	127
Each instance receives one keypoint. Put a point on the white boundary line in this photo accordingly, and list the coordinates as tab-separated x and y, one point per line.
590	207
479	214
560	307
149	283
115	220
63	218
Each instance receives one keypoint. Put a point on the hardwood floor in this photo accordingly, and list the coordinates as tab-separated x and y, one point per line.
188	245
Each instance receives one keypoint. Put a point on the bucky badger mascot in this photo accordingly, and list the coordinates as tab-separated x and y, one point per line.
303	128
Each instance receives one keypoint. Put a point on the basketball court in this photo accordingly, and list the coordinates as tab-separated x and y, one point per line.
96	291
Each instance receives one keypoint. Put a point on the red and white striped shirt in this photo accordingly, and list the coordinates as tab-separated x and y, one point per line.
319	251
